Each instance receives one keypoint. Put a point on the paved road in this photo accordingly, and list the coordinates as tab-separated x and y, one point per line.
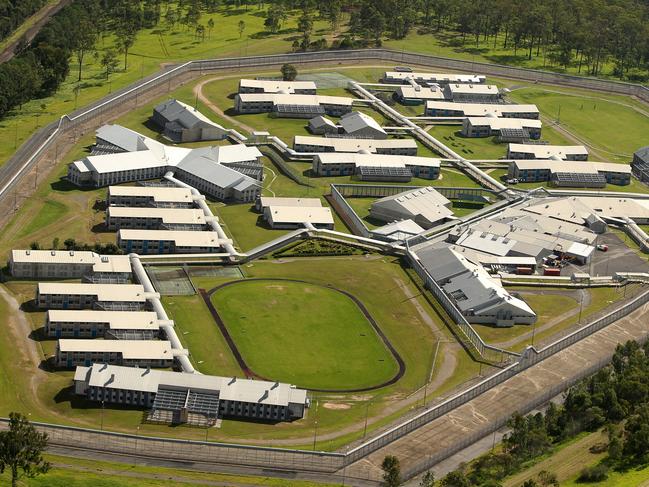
45	14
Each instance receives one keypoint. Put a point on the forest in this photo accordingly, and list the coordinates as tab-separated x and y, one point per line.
592	37
14	12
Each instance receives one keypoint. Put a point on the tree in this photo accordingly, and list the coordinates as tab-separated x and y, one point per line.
21	449
125	40
391	471
109	62
210	26
242	27
548	479
456	478
428	480
200	32
305	25
289	72
87	37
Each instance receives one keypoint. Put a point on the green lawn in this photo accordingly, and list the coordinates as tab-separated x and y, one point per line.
304	334
613	128
200	335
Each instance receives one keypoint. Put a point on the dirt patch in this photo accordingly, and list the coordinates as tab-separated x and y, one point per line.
337	405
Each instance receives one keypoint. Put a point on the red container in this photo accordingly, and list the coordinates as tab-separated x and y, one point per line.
524	270
551	271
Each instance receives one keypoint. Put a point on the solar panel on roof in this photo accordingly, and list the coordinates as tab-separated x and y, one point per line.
317	109
579	179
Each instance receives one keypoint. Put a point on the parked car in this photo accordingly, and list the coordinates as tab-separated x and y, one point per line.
602	247
512	181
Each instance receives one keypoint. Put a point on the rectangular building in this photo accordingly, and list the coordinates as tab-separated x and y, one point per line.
404	147
264	202
71	352
296	106
68	264
118	217
150	196
135	325
472	93
109	297
530	171
416	95
450	109
376	167
190	398
540	151
491	126
297	216
182	123
478	296
169	242
404	77
277	86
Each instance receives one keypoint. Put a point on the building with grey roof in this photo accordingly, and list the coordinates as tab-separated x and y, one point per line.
230	172
640	163
182	123
479	296
425	206
398	230
361	125
321	125
197	399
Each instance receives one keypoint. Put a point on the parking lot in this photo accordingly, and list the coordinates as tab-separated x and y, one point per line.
618	258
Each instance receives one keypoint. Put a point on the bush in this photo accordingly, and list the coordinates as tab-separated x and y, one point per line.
593	474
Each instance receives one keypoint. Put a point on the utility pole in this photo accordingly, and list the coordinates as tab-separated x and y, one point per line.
367	410
432	367
102	416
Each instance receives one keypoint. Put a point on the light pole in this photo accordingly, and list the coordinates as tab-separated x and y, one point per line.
315	433
367	410
102	416
137	436
432	368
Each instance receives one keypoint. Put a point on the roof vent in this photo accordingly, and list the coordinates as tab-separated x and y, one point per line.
53	252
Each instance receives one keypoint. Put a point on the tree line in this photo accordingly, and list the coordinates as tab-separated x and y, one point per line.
14	12
615	399
588	35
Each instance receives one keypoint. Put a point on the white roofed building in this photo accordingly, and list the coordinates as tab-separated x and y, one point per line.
404	147
501	126
405	77
118	217
193	398
540	151
292	106
450	109
415	95
150	196
297	216
107	297
425	206
277	86
71	352
170	242
133	325
570	173
376	167
224	172
264	202
67	264
472	93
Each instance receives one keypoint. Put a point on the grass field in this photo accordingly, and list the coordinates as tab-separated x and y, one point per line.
304	334
614	128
